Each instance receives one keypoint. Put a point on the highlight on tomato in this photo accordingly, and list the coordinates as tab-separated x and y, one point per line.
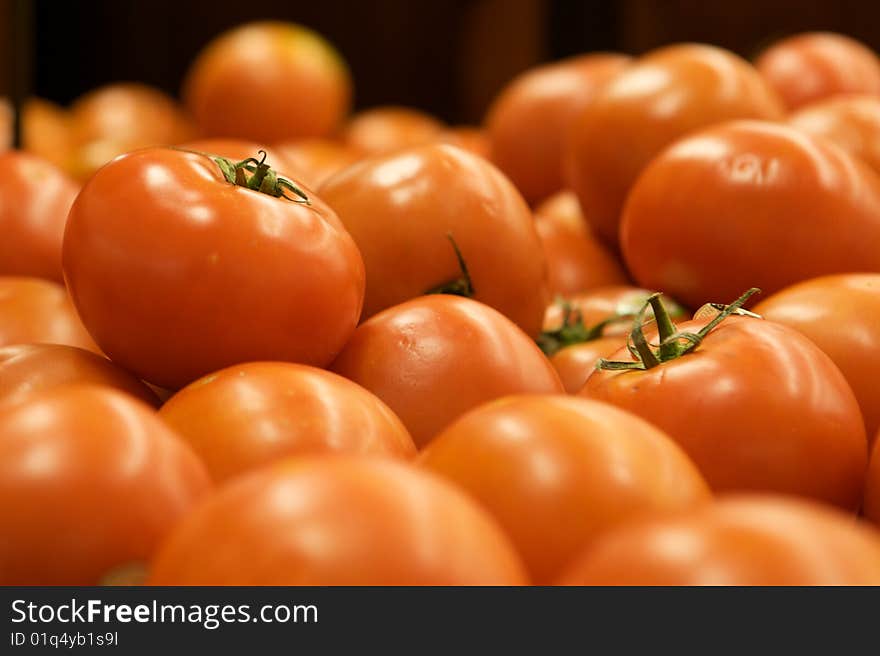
389	128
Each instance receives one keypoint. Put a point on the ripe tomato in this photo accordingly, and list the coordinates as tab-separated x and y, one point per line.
557	472
576	362
529	121
852	122
315	160
749	203
658	99
756	405
35	310
46	132
436	357
816	65
385	129
338	521
29	369
871	502
743	540
268	81
469	138
35	198
402	210
248	415
90	480
841	315
178	273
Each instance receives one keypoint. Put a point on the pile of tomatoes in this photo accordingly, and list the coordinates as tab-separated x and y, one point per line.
254	339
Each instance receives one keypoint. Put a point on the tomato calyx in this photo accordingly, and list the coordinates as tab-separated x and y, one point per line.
673	343
573	329
461	286
256	175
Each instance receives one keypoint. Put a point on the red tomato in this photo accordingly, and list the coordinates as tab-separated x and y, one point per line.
816	65
402	209
557	472
29	369
90	480
658	99
756	405
315	160
529	121
246	416
871	502
852	122
575	363
35	198
6	124
389	128
749	203
338	521
841	315
436	357
178	273
46	132
268	81
750	540
36	310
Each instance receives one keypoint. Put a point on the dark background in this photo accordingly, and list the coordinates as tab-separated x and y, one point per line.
448	57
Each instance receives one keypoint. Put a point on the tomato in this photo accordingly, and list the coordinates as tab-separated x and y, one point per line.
469	138
841	315
402	209
29	369
576	259
385	129
178	273
246	416
338	521
529	121
6	124
656	100
749	203
852	122
436	357
743	540
315	160
871	502
36	310
755	404
46	132
90	480
35	198
557	472
816	65
575	363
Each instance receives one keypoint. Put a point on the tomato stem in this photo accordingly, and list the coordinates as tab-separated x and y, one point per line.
461	286
256	175
573	329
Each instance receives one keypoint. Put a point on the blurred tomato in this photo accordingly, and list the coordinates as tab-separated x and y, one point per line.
90	480
402	209
749	204
745	540
268	81
469	138
35	197
46	132
30	369
654	101
315	160
178	273
338	521
871	502
246	416
36	310
389	128
530	119
6	124
557	472
816	65
435	357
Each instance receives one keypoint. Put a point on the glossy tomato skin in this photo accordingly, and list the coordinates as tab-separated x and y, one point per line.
401	210
749	204
250	415
388	128
757	406
35	197
817	65
314	161
741	540
557	472
435	357
841	315
90	480
871	502
379	523
33	310
852	122
656	100
171	268
528	123
576	363
251	82
29	369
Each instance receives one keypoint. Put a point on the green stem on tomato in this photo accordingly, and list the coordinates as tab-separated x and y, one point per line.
461	286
